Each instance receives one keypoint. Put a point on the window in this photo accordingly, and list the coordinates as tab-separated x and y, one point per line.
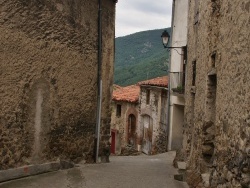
194	72
210	119
118	110
211	98
147	96
213	57
184	60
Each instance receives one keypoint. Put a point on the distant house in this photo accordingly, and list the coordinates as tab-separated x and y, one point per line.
152	129
139	116
124	117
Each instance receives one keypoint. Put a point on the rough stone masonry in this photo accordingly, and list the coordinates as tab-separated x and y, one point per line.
48	79
217	109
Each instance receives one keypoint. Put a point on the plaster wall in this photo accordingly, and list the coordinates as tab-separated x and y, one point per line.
154	110
179	33
179	39
177	131
180	100
48	80
120	124
217	116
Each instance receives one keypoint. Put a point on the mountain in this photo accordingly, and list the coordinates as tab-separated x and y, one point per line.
140	56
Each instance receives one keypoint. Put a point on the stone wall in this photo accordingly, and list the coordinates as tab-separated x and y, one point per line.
217	116
48	79
120	123
156	109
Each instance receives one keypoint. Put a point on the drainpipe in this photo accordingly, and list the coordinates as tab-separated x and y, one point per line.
169	82
99	84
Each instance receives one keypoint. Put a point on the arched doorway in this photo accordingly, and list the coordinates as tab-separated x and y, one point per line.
132	130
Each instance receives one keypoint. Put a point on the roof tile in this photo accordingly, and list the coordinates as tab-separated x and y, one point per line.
159	81
129	93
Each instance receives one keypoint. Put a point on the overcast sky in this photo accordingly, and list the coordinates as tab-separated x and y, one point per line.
140	15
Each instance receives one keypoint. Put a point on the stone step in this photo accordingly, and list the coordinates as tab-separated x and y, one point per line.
181	165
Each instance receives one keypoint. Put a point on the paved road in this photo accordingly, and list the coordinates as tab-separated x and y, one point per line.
122	172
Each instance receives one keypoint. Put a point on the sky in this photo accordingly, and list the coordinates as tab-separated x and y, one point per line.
139	15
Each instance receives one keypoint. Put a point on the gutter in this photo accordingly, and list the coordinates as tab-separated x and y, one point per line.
99	84
169	82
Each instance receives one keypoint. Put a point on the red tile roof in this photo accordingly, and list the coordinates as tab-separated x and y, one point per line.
128	94
131	93
159	81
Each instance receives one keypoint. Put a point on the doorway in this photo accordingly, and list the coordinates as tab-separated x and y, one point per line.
132	130
113	138
147	134
178	121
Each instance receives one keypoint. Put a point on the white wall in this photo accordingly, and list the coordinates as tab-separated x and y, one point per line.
179	39
179	34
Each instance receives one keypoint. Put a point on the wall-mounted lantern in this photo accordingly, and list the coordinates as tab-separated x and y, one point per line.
165	39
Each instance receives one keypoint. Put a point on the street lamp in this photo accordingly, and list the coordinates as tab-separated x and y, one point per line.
165	39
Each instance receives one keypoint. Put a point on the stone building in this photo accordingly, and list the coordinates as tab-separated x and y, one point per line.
139	117
217	94
152	122
48	79
124	119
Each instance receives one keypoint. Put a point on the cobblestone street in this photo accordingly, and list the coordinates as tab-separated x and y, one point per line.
122	172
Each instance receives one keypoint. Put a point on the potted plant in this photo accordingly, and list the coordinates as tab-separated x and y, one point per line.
178	89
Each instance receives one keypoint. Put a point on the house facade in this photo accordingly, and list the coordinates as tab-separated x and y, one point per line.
177	70
48	80
124	119
139	117
152	121
217	94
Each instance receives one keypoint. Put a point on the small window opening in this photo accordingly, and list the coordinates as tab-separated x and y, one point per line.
118	110
213	57
147	96
184	51
194	73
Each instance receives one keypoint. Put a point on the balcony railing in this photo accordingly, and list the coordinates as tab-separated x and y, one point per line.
177	80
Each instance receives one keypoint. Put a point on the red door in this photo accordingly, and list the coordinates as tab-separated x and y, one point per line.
113	142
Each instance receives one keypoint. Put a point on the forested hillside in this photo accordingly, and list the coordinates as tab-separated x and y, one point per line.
140	56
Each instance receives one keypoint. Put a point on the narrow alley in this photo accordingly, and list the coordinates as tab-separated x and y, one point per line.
122	172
